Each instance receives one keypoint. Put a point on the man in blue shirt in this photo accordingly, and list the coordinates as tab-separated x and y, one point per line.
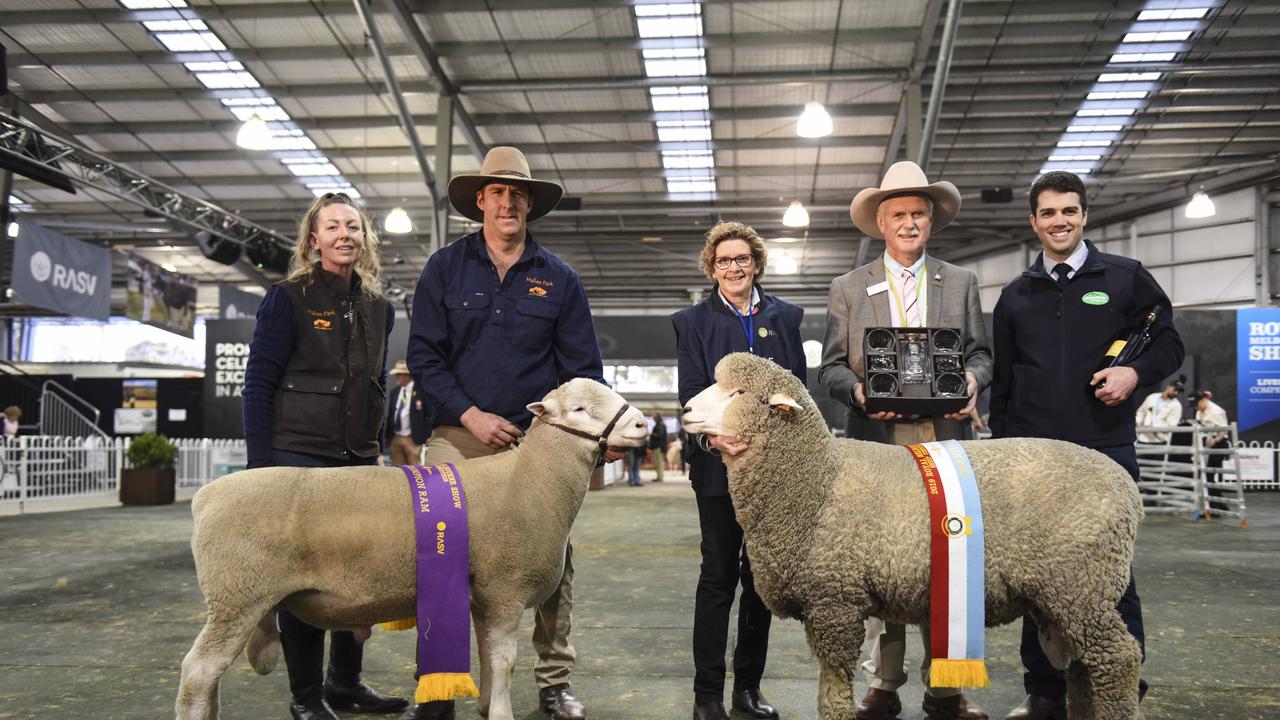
498	322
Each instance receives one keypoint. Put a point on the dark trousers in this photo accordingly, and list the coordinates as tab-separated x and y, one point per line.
724	565
303	644
1041	678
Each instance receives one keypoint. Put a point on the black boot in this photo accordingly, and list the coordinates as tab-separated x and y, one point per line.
343	689
303	647
434	710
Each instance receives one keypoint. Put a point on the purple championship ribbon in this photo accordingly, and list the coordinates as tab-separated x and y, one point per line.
444	596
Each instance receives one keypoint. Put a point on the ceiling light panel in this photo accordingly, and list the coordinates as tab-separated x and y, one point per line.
190	42
668	27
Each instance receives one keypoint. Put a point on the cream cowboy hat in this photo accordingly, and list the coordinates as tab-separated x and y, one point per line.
400	368
503	163
904	177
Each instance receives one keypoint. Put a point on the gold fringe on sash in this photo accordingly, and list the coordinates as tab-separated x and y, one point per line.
444	686
949	673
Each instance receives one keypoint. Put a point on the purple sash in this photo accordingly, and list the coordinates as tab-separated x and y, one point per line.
444	597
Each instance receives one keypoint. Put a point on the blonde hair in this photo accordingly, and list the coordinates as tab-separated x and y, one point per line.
368	265
733	231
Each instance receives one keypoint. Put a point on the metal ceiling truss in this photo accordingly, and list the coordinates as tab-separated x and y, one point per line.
26	142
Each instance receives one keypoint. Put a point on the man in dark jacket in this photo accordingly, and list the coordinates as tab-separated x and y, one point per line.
658	444
1053	325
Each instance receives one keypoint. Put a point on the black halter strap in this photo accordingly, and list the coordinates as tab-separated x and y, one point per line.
602	440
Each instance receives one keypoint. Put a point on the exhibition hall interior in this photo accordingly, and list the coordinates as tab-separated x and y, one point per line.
356	235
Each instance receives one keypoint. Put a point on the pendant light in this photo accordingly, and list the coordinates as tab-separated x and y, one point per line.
814	122
796	215
397	222
1201	206
254	134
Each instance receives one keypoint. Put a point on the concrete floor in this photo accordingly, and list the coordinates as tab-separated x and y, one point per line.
98	607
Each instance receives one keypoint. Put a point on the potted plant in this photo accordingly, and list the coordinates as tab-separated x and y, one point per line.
149	477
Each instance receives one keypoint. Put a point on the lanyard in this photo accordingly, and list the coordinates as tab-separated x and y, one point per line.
897	291
404	396
748	325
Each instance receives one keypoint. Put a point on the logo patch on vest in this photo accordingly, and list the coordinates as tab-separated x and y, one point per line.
1096	297
322	324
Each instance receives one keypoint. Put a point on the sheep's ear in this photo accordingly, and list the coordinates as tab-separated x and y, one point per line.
783	403
547	407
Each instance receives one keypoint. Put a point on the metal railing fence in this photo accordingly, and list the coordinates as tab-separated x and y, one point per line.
1185	476
42	472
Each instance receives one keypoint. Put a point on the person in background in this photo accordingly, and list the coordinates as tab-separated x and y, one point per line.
314	396
12	415
406	429
658	444
1052	326
1159	409
1211	414
674	452
635	457
738	316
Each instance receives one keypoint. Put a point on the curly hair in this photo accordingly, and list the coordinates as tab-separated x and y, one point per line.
733	231
368	265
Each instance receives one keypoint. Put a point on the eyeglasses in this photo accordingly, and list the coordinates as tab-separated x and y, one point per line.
743	261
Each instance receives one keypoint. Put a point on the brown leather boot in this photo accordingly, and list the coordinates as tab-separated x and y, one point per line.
952	707
878	704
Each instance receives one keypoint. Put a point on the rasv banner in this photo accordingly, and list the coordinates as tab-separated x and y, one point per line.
55	272
1258	366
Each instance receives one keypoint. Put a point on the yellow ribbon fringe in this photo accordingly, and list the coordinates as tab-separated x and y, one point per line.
949	673
406	624
445	686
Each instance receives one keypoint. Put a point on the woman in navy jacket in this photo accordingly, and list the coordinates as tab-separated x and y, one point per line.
738	317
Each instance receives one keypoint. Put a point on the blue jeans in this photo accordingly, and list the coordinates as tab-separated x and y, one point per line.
1041	678
635	456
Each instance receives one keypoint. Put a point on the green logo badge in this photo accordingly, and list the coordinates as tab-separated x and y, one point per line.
1096	298
763	332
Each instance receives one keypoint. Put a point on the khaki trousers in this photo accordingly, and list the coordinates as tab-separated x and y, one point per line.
887	668
404	451
552	620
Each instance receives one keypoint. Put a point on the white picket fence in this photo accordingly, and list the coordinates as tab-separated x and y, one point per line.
42	473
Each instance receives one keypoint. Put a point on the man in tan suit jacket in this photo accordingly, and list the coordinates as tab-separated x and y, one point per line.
904	287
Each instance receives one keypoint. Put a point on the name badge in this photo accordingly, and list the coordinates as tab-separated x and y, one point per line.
877	288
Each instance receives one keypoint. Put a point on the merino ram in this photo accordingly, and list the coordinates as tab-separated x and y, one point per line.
336	546
838	531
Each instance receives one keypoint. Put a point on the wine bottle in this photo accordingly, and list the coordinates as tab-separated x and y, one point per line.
1126	349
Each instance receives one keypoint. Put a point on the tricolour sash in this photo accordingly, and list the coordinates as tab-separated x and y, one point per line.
957	587
444	597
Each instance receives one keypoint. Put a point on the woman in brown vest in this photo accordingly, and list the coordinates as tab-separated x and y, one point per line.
314	396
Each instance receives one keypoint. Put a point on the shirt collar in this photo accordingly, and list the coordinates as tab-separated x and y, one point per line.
755	296
475	243
335	283
1075	259
896	268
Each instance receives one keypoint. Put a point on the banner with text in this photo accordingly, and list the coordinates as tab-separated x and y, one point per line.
55	272
161	298
1258	366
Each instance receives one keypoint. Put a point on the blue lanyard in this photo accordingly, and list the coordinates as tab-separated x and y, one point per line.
748	326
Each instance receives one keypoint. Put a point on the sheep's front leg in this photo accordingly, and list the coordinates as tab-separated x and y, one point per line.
835	635
500	650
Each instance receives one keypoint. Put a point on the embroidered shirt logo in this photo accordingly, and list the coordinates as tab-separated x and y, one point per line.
1096	298
322	324
538	281
535	290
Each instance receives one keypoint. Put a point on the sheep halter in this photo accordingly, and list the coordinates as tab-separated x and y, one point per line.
957	572
601	440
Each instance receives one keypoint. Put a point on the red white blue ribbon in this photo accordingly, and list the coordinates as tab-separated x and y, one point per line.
957	573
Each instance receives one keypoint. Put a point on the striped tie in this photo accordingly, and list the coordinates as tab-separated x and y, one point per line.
912	314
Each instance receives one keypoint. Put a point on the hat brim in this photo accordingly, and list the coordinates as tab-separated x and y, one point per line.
946	205
463	188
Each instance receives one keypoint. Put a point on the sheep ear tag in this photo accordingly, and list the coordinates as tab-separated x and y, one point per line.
783	403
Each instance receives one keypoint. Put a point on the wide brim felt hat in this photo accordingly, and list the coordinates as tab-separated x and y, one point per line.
503	164
905	178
